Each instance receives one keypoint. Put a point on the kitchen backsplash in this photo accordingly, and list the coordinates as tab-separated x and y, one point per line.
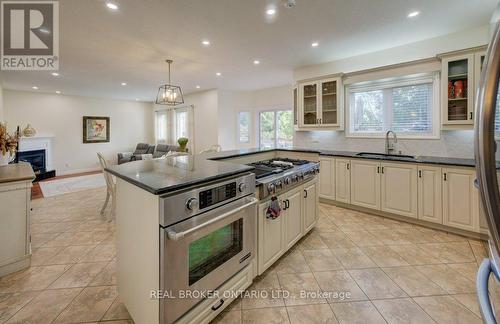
458	143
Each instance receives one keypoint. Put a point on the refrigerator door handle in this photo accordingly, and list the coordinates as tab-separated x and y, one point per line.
483	276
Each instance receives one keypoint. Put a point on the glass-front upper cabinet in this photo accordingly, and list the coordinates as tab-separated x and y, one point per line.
295	106
328	102
310	104
458	89
320	103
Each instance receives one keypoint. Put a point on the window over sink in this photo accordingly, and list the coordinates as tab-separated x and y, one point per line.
407	105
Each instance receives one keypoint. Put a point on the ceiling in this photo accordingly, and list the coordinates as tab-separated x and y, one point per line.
101	48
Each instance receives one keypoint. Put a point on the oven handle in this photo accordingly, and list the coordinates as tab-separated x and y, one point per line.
174	236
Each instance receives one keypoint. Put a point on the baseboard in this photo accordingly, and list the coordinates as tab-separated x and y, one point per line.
67	172
440	227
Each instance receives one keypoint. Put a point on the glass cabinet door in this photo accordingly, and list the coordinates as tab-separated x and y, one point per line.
329	102
458	73
310	104
295	104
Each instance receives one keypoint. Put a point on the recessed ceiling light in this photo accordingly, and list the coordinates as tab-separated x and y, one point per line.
111	6
34	88
218	74
198	87
413	14
58	92
314	44
136	99
271	12
124	83
55	74
205	42
256	62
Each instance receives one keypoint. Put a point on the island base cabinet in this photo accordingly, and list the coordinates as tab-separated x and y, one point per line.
311	204
292	217
298	215
399	189
458	199
430	194
270	239
365	184
343	180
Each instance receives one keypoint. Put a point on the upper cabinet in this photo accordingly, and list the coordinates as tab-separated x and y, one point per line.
320	104
295	106
460	78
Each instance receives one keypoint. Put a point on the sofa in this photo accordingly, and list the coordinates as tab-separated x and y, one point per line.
141	148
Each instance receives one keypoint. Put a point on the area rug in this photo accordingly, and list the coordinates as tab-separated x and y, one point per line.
67	185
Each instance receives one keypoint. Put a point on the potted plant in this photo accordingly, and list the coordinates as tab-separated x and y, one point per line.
8	145
182	143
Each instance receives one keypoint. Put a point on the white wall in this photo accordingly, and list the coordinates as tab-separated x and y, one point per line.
410	52
230	103
1	103
61	116
205	118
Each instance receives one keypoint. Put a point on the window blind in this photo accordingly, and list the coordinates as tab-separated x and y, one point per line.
404	105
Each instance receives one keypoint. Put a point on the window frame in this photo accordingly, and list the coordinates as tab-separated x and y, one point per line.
275	112
238	137
387	83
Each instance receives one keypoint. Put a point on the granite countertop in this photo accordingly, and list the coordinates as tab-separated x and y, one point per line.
16	172
161	176
419	159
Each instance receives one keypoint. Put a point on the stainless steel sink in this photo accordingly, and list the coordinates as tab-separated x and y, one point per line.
386	156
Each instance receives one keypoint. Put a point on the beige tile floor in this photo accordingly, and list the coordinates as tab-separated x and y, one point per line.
393	272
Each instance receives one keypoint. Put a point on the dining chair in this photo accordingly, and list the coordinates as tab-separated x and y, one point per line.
110	188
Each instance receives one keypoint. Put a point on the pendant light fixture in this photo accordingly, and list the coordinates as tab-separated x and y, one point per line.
168	94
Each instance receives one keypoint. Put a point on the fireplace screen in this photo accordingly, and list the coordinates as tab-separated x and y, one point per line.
36	158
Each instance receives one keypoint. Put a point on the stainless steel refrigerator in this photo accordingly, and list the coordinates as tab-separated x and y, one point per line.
487	154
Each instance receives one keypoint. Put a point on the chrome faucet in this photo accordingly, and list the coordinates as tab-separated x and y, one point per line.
389	147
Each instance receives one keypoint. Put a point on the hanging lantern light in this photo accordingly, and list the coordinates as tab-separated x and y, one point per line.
168	94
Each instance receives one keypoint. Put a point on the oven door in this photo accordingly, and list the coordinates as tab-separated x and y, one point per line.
201	253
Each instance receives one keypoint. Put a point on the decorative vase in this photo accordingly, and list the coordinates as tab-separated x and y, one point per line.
29	131
6	158
182	144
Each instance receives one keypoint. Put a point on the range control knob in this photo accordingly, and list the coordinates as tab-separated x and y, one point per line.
192	203
242	187
287	181
279	184
301	175
295	178
271	187
317	169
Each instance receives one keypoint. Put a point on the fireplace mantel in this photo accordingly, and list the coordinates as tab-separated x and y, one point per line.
39	143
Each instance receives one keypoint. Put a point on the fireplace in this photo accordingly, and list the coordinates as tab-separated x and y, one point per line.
36	158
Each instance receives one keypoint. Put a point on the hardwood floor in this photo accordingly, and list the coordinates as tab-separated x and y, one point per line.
36	191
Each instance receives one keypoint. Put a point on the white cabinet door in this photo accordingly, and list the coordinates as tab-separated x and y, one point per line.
365	184
343	180
429	194
310	203
271	240
399	189
457	75
458	198
327	178
293	217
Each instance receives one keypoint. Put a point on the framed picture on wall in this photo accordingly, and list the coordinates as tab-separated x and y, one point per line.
95	129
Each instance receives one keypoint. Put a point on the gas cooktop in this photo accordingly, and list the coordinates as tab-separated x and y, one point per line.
280	174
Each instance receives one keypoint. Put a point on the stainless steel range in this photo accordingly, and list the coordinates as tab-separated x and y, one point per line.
280	174
207	236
